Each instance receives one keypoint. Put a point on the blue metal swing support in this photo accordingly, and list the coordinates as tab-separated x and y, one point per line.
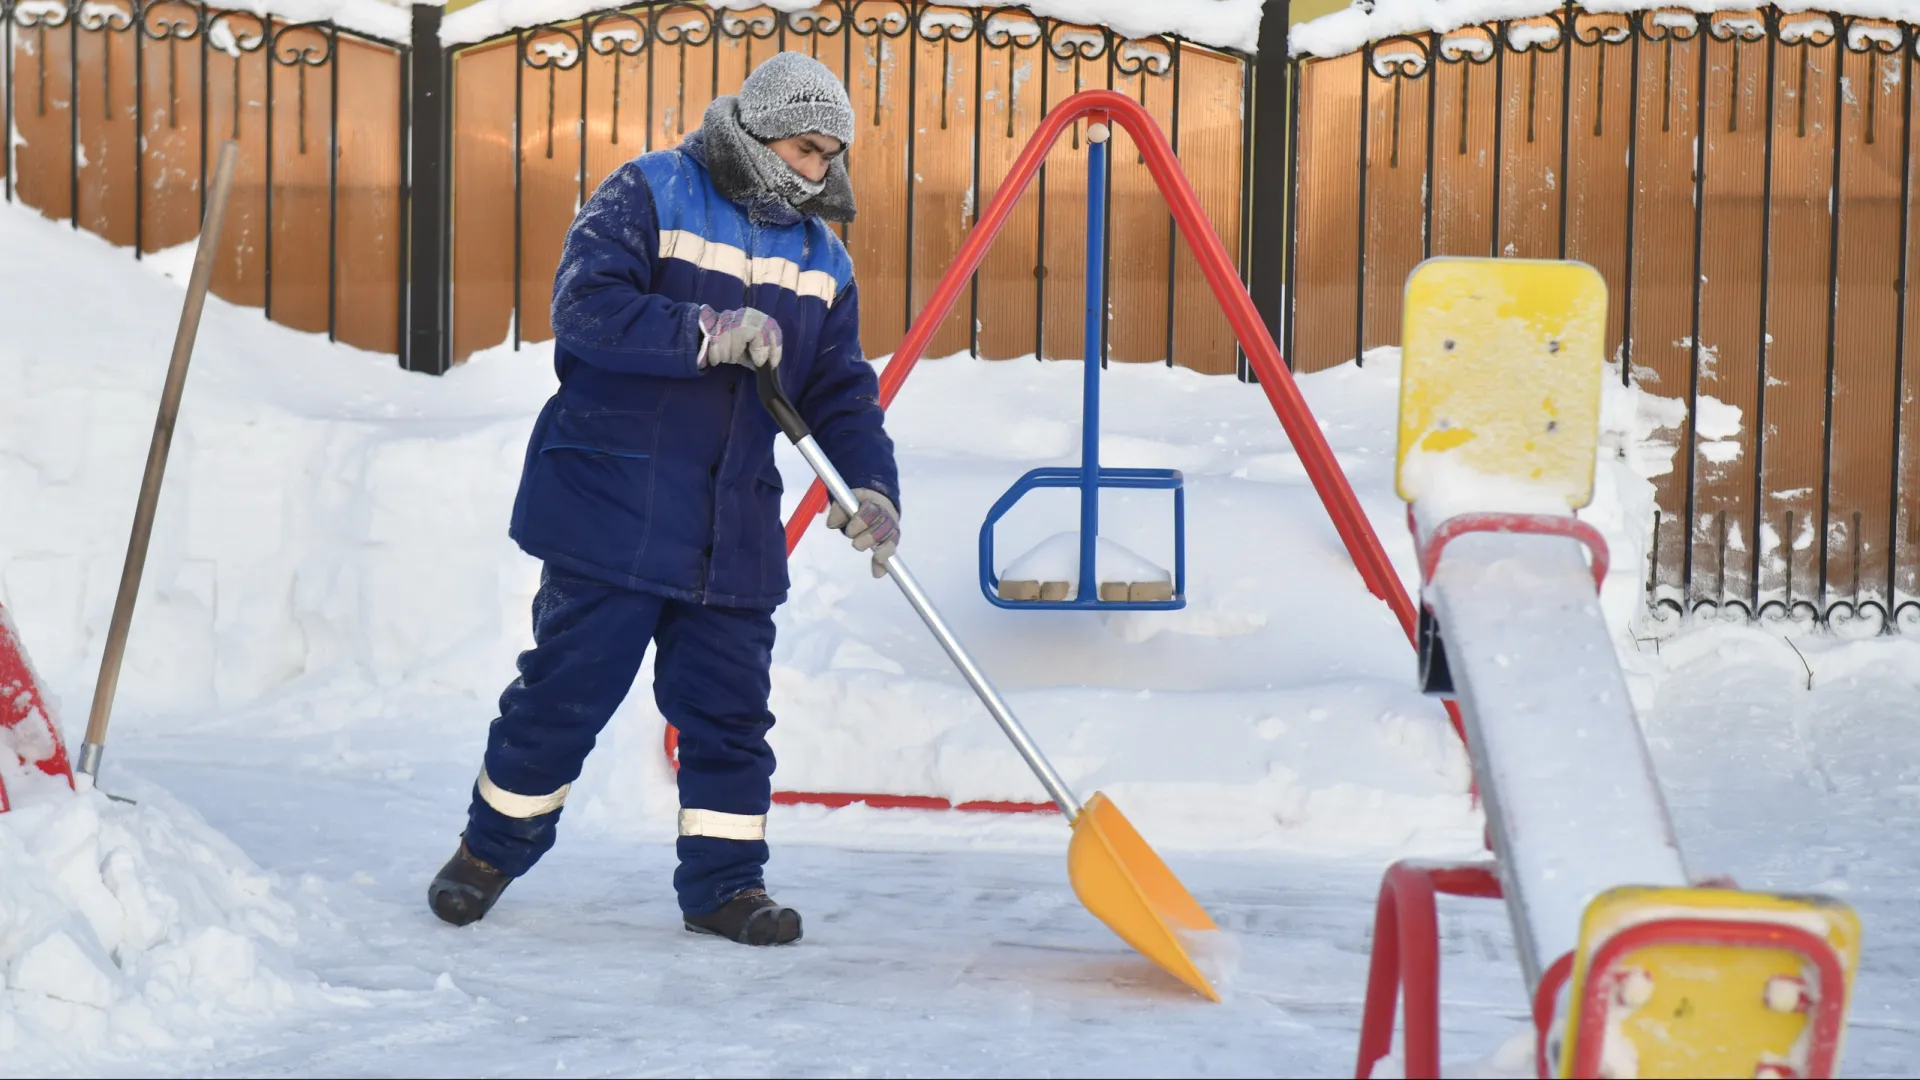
1090	476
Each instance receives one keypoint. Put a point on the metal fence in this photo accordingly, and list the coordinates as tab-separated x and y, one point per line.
946	97
117	101
114	103
1743	180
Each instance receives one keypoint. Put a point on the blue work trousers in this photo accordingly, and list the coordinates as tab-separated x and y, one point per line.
711	682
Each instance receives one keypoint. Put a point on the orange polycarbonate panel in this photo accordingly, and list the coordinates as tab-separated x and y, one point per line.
1326	270
105	107
299	96
1063	250
1530	143
367	277
236	109
1011	109
43	95
877	73
1142	238
482	210
1212	142
1867	315
1396	150
1661	323
1598	124
942	181
170	108
1798	320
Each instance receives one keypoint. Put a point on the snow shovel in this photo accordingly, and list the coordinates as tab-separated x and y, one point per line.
198	282
1113	871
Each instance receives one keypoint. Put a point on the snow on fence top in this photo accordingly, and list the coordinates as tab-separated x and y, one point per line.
1225	24
390	20
1343	31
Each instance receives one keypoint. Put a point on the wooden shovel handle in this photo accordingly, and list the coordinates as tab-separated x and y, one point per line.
202	277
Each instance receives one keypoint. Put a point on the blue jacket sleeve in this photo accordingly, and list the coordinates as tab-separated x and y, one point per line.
604	309
841	403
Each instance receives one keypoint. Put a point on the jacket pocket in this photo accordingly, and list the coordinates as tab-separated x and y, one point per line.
593	490
603	434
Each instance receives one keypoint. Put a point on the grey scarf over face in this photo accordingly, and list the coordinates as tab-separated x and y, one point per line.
748	172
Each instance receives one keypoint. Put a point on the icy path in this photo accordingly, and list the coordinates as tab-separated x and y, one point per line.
942	962
971	956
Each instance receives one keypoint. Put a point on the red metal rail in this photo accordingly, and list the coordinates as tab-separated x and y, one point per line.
1102	106
1406	955
1459	525
838	799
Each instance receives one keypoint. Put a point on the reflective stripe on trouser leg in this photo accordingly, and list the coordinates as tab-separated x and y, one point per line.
723	826
589	639
711	682
519	806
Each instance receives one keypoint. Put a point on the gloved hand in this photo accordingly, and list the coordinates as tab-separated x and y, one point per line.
745	336
875	528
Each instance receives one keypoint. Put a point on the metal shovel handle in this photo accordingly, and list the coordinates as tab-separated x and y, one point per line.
780	407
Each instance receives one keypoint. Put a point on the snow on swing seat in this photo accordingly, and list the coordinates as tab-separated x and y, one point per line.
1050	571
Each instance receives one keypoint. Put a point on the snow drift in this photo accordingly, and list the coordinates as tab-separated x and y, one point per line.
127	928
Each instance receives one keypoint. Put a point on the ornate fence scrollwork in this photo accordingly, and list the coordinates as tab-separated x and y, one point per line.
886	50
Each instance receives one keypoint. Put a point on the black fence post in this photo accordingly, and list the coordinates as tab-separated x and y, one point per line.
426	188
1271	144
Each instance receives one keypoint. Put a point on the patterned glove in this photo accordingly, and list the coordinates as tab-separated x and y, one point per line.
875	528
744	336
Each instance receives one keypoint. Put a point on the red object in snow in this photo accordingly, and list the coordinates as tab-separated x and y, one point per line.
27	730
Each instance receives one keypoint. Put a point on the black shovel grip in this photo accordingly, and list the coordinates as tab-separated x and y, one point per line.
778	405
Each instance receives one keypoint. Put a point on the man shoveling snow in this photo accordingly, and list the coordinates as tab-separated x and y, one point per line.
650	492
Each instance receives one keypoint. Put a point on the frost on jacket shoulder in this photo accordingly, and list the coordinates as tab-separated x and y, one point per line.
647	471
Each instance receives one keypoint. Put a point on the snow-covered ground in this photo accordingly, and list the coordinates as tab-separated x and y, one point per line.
331	605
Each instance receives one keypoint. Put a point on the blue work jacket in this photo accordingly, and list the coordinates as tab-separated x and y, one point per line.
647	471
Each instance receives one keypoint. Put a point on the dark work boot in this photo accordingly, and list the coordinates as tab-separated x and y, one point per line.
750	918
464	890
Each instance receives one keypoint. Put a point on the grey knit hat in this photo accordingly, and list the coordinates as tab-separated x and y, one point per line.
794	94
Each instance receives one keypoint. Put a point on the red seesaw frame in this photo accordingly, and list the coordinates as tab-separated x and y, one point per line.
1406	954
1103	106
1434	543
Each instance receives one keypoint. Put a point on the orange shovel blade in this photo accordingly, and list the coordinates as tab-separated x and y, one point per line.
1119	878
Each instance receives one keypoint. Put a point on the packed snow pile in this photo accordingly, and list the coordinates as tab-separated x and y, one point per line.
128	928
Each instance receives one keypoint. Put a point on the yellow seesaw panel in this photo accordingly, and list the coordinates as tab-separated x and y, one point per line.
1501	367
1706	1010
